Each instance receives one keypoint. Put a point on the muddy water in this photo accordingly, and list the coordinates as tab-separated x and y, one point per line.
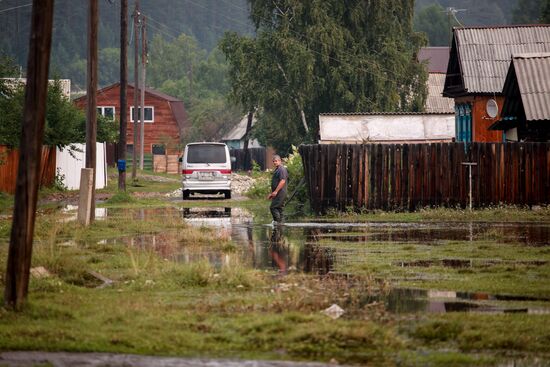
312	248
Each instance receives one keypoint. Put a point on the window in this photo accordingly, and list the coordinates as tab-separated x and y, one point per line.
106	111
463	122
206	153
149	114
158	149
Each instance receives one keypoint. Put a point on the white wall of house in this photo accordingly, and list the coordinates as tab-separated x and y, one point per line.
385	128
69	162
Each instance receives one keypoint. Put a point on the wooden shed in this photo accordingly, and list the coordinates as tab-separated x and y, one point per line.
165	117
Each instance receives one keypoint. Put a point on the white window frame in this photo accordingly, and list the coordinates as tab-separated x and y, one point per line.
102	109
148	121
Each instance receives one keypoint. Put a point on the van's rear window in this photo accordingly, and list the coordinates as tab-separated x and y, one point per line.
206	153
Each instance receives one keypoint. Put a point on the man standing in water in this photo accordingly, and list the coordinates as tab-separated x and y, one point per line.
278	190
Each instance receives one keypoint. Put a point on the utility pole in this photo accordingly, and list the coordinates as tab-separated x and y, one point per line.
91	113
123	97
469	165
451	13
28	174
143	66
136	86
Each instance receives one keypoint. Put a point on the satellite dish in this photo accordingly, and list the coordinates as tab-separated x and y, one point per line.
492	108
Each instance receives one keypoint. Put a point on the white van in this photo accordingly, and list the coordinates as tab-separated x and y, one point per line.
206	169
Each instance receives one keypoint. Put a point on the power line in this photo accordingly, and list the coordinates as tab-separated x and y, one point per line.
15	7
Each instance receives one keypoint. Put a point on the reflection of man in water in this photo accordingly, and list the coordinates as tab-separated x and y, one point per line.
278	251
278	190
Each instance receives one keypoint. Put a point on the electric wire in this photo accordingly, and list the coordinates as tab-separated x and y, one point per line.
15	7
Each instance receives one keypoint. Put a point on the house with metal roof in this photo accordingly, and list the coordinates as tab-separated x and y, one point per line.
386	128
235	137
165	117
479	61
436	59
526	111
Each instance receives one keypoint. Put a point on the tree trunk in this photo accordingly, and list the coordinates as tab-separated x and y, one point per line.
28	175
247	160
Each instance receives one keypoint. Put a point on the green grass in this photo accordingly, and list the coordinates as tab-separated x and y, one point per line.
6	202
159	304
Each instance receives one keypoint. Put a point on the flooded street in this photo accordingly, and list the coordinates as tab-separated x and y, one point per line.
341	248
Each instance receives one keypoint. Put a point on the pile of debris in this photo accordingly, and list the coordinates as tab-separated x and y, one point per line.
240	184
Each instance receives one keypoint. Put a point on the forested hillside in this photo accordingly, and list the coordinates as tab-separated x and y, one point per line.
431	16
205	20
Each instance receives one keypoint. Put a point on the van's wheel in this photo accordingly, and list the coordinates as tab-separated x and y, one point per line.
185	194
227	194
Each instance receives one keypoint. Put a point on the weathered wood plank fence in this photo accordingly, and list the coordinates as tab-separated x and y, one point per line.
9	162
411	176
257	155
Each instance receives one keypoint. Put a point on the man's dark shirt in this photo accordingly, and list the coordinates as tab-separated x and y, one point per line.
280	173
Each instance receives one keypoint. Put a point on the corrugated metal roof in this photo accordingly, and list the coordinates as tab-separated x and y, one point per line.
485	52
437	58
533	77
436	103
238	132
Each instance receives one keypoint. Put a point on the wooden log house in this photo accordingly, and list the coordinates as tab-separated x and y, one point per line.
165	117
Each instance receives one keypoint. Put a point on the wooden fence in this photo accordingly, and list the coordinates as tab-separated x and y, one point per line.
9	162
257	155
411	176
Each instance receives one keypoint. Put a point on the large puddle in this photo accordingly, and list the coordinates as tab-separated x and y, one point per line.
316	248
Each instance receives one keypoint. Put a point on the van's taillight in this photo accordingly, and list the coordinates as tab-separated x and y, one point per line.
225	171
186	171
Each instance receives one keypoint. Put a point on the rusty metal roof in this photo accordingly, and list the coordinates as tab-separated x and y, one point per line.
484	53
437	58
533	78
435	102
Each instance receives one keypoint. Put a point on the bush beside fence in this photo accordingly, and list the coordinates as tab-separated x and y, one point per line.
410	176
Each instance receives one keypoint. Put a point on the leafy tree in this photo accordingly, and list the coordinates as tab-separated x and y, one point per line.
545	16
433	21
182	69
65	123
528	11
311	57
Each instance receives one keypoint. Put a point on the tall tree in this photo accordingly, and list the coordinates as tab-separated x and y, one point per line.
311	57
528	11
433	21
545	16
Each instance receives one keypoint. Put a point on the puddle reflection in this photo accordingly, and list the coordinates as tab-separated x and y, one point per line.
310	248
407	300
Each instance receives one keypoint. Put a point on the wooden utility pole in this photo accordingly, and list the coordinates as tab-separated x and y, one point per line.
143	66
91	112
28	175
136	86
123	96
